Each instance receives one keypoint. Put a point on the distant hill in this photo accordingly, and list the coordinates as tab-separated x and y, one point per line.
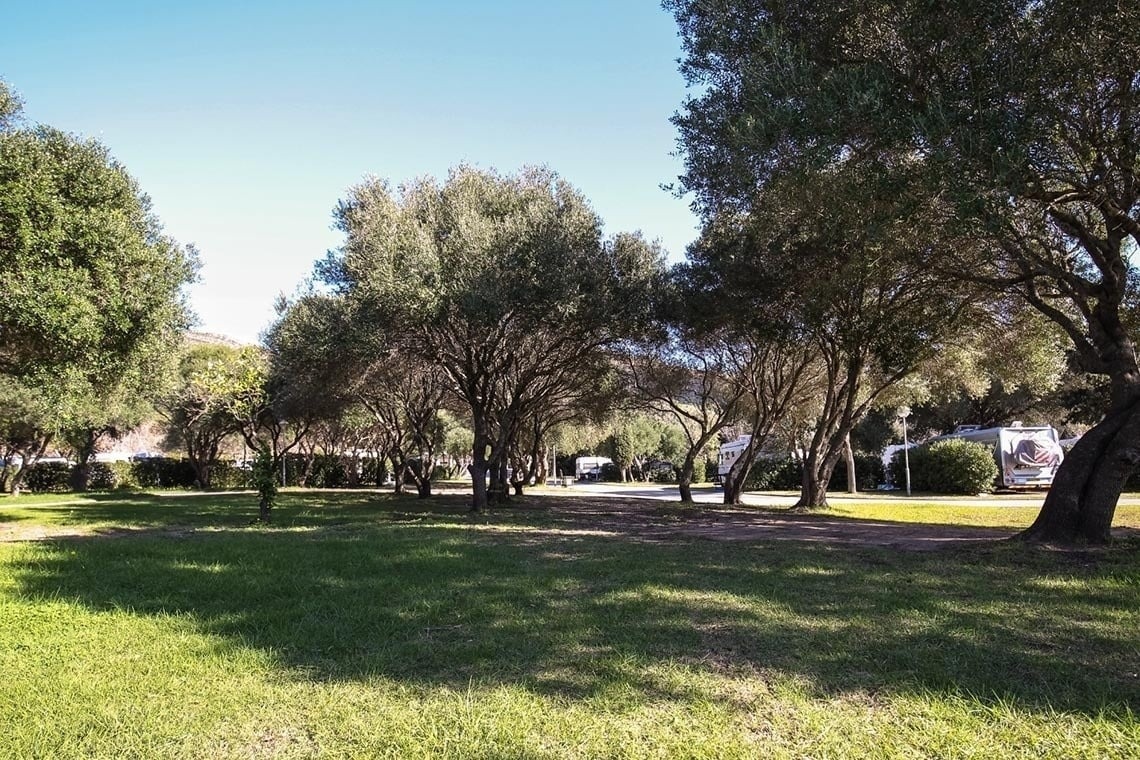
195	338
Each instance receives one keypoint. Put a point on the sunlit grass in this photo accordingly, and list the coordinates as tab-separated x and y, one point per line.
959	513
368	626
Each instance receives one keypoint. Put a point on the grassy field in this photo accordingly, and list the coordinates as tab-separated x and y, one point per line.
360	625
960	513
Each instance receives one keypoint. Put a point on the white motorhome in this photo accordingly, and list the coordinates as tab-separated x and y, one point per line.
590	468
1025	456
729	453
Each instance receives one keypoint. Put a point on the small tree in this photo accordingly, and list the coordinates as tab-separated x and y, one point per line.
265	481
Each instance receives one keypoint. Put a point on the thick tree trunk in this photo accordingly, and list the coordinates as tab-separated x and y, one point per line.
685	480
1082	500
478	470
80	476
817	475
397	473
733	487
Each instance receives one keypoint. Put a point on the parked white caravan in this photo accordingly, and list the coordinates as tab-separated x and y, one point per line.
1025	456
590	468
729	453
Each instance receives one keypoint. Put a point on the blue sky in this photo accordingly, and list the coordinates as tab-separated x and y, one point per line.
246	122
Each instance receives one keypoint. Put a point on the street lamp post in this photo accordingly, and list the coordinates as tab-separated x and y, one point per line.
904	412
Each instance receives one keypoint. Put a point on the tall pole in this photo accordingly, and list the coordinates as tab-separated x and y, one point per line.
906	456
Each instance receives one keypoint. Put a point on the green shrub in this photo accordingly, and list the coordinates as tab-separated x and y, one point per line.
373	472
952	466
123	474
163	472
101	477
48	477
783	474
610	473
699	471
869	473
227	476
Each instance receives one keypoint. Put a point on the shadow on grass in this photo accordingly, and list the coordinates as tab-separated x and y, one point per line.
352	586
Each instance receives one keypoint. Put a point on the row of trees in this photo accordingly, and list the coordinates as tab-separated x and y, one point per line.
495	300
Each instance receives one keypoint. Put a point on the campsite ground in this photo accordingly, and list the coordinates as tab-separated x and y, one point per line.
574	624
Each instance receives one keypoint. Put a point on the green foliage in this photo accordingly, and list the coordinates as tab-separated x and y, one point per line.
264	476
123	475
226	475
487	278
869	473
48	477
699	470
781	474
610	473
163	472
90	286
952	466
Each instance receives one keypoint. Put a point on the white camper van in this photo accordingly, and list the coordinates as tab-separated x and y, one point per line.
729	453
590	468
1025	456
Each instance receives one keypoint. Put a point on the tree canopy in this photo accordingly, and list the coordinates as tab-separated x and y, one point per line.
91	287
1018	119
502	282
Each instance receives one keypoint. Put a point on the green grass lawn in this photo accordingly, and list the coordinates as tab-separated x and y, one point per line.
363	625
960	513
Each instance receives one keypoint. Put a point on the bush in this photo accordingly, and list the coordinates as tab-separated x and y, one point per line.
101	476
699	471
869	473
610	473
48	477
163	472
953	466
373	471
228	475
783	474
123	475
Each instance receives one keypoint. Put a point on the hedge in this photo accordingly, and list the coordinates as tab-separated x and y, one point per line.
786	474
953	466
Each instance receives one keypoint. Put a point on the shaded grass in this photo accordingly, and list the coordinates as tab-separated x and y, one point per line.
372	626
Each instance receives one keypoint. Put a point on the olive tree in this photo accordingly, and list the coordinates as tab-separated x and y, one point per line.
504	282
1021	116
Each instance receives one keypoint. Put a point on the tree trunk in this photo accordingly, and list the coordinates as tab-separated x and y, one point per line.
817	475
307	470
478	470
685	479
1082	500
849	456
397	474
733	486
80	476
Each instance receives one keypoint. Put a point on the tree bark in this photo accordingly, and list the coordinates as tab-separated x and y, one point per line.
849	456
817	474
685	479
1082	500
